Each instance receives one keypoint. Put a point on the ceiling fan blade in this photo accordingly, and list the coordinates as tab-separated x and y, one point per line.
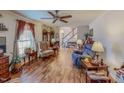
55	20
46	18
51	14
64	21
68	16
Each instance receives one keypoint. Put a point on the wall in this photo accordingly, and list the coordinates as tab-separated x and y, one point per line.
56	29
109	29
82	30
38	31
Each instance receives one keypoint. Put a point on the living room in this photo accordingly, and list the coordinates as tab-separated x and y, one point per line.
105	27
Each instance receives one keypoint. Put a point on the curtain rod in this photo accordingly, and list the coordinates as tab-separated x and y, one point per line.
25	21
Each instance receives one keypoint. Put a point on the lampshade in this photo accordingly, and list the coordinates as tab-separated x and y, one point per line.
61	31
79	41
53	40
97	47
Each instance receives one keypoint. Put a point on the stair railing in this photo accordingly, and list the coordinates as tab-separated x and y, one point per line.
72	33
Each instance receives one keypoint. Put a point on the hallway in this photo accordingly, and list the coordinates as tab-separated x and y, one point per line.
58	69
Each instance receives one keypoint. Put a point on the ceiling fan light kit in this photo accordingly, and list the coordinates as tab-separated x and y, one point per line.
57	17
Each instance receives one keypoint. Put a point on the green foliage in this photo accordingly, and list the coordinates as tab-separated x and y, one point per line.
15	60
86	35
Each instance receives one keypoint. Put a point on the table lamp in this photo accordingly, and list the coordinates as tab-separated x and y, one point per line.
79	43
53	40
97	48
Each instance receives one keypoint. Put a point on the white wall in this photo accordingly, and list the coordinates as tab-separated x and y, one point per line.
38	31
109	29
8	19
56	29
82	30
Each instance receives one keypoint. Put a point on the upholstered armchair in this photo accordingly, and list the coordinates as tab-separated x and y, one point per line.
44	50
85	52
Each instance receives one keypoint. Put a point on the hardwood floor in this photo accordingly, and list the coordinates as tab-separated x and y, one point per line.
58	69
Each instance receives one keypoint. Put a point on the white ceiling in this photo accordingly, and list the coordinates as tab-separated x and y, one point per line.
79	17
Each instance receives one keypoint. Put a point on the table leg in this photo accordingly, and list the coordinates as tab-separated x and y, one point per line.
36	57
107	71
86	75
29	59
24	60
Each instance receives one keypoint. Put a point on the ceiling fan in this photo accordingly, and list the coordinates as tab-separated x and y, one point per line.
56	17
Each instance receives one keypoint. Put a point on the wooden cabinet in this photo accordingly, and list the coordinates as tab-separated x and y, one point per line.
48	36
4	69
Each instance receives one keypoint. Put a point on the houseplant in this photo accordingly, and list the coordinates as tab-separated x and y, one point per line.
15	64
86	36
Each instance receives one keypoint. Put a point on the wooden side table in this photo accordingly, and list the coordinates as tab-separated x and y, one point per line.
55	50
30	56
89	66
96	78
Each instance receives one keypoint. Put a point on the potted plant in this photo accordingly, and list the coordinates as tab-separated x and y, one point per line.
86	36
16	65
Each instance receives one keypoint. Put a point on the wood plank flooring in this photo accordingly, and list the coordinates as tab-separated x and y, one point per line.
57	69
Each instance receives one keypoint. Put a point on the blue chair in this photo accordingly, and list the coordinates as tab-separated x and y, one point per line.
77	55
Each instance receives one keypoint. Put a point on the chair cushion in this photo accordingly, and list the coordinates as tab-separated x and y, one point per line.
91	53
46	53
78	52
88	46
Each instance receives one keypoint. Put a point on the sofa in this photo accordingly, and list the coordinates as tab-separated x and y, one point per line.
85	52
44	50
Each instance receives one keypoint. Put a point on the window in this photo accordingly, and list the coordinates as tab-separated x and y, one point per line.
26	40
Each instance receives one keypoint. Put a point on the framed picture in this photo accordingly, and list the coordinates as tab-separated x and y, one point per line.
3	43
3	27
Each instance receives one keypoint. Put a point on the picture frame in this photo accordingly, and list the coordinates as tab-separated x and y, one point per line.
3	27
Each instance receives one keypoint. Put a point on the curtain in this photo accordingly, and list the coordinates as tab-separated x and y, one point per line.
32	28
33	32
20	28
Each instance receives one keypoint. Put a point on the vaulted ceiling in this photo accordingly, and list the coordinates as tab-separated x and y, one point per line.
79	17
